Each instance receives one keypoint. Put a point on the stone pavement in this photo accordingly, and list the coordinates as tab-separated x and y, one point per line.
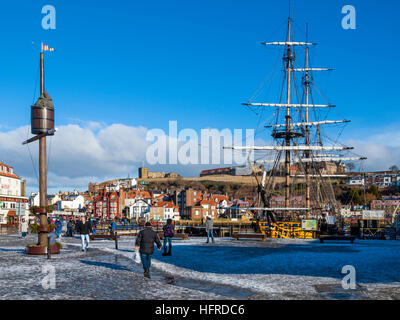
80	276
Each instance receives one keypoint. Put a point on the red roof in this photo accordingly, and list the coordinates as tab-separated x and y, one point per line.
219	197
8	169
165	204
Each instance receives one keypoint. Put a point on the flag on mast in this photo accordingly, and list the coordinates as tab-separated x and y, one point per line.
47	48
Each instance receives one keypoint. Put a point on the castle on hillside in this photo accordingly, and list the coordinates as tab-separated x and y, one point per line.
144	173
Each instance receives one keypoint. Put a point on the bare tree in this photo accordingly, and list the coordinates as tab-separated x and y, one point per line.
394	168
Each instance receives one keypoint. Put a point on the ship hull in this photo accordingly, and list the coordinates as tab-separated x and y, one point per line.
286	230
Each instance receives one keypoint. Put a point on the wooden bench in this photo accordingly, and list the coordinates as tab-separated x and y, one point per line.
183	236
238	236
324	238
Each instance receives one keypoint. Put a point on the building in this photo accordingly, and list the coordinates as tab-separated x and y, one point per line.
93	188
117	204
194	204
383	180
221	202
163	210
144	173
233	171
238	208
349	212
13	204
137	204
380	179
355	181
295	201
138	209
389	204
53	199
185	200
106	205
71	202
324	168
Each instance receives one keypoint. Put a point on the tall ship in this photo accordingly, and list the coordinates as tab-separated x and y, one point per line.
296	197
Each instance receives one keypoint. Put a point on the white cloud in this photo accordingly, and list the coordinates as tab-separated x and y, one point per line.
77	154
84	152
382	150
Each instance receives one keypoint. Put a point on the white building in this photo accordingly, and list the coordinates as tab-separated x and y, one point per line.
53	199
138	208
74	202
119	184
357	181
34	200
13	204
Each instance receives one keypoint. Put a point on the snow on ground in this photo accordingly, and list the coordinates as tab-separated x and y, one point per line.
274	269
278	267
79	276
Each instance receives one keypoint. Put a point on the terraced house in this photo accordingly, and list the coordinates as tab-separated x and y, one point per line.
13	203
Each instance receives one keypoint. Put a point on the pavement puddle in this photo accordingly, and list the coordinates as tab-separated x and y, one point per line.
337	292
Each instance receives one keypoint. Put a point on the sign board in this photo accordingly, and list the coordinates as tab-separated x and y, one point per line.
144	183
330	219
373	214
310	225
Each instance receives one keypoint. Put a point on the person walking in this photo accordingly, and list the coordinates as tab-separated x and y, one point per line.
209	229
168	235
84	228
113	227
24	228
145	244
70	227
58	224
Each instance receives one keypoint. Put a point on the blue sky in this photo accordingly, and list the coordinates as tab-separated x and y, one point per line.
142	64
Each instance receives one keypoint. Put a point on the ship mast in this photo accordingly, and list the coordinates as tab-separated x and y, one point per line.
289	130
288	58
307	153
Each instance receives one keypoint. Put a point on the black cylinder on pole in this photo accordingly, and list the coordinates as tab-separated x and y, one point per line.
42	112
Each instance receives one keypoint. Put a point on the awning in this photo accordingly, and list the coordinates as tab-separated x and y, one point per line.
11	213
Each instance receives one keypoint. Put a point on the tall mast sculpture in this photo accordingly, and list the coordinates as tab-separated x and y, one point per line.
42	125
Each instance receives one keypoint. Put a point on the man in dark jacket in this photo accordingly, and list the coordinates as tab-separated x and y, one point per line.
84	228
145	244
70	227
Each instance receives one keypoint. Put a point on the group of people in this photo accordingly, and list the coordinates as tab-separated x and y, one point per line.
145	243
146	239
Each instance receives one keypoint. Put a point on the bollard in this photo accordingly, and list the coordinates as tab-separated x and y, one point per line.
48	248
116	240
